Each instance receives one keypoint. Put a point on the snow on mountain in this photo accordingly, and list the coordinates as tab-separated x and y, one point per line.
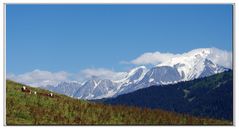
155	76
136	74
188	66
211	68
162	74
97	88
94	89
133	76
184	67
67	88
192	64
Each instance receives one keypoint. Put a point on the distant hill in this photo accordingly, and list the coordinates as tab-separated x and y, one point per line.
27	109
206	97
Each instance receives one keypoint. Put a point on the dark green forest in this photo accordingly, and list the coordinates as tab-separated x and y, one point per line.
210	97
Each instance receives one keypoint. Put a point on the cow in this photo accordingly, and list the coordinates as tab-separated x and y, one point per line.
46	94
51	94
26	90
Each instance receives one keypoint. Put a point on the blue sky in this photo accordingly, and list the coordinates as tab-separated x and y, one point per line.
75	37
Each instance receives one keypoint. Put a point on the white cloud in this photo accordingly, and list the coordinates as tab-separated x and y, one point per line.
152	58
221	57
100	73
218	56
40	78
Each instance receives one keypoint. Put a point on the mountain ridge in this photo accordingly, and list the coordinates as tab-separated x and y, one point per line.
188	66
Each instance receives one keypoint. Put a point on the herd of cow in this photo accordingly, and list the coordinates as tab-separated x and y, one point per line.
26	90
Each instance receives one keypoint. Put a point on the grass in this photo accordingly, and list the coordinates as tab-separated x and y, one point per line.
30	109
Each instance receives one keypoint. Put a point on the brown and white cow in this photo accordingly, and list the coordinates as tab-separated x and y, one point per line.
50	94
46	94
26	90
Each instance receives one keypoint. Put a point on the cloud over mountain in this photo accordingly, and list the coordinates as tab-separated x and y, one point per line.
218	56
42	78
100	73
39	77
221	57
152	58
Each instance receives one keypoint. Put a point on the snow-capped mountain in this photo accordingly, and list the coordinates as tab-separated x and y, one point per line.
188	66
135	75
191	65
67	88
97	88
94	89
184	67
211	68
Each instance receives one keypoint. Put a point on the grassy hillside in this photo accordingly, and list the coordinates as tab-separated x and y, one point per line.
27	109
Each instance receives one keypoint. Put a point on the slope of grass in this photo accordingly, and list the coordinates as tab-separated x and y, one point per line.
28	109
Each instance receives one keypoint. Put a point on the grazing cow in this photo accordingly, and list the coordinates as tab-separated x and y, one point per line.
51	94
26	90
46	94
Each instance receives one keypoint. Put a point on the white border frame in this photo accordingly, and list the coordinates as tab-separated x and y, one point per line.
3	48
